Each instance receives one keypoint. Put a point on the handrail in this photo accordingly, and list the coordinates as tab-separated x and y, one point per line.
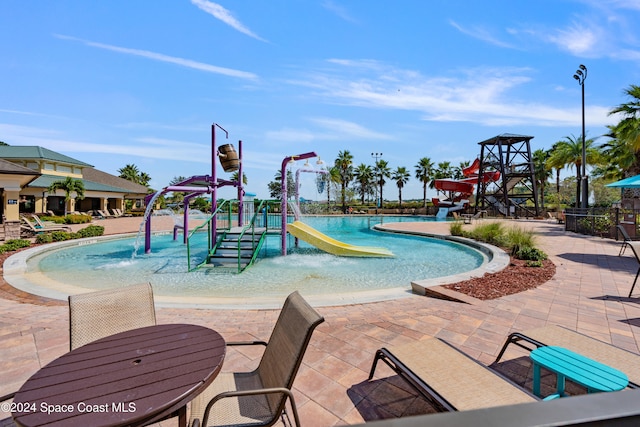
207	223
252	227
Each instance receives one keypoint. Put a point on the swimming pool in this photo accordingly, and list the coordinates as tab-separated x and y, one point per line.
99	264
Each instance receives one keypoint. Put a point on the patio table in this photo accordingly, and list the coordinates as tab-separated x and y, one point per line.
593	375
134	378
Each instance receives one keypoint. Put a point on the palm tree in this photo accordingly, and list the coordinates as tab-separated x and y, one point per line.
131	173
401	177
541	172
69	186
381	171
626	133
344	164
458	171
234	177
364	175
568	152
424	173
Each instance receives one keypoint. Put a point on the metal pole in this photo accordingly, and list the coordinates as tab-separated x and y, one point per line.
585	178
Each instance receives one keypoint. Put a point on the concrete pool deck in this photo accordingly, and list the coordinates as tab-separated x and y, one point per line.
587	294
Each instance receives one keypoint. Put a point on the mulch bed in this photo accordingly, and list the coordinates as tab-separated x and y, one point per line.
517	277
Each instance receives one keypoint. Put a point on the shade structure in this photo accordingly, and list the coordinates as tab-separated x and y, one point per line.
631	182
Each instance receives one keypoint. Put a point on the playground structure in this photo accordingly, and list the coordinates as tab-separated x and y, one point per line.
514	194
235	239
502	177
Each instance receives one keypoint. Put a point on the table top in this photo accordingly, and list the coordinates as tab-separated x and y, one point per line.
131	378
580	369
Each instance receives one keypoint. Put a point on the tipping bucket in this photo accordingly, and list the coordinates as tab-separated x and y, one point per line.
228	158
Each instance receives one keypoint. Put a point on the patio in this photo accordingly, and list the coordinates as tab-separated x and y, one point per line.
587	294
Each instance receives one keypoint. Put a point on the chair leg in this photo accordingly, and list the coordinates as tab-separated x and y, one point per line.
623	248
378	356
634	282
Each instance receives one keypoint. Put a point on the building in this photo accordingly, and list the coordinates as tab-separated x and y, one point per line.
26	173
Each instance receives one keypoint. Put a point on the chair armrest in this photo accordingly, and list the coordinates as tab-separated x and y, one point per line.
240	393
7	396
264	343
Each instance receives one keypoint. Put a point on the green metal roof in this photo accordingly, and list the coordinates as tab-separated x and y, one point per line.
45	181
38	153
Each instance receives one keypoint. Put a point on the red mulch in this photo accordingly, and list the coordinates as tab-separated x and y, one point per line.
517	277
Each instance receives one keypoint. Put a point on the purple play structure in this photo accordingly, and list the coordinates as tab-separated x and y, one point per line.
203	184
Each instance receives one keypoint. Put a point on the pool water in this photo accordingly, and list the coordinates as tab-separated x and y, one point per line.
101	264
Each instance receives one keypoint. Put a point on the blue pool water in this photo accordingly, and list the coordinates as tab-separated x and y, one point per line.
100	265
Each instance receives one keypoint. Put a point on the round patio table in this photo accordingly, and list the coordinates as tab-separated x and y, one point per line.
132	378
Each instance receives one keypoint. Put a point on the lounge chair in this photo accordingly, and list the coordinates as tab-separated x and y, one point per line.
448	378
617	358
635	247
95	315
30	227
259	397
104	215
44	224
626	238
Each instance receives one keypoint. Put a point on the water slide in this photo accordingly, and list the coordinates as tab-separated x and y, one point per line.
321	241
465	187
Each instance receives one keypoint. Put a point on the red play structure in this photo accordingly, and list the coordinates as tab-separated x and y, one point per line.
463	189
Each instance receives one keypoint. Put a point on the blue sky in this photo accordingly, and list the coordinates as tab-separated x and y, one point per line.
119	82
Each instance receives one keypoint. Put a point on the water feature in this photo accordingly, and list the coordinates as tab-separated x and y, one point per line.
97	265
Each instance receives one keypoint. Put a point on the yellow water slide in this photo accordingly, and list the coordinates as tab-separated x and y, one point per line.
321	241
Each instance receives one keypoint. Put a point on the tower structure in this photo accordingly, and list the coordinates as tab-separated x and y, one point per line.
514	194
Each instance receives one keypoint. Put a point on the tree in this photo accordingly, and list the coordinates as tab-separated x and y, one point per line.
458	171
568	153
540	172
275	187
364	176
131	173
381	171
401	177
424	174
234	177
344	165
69	186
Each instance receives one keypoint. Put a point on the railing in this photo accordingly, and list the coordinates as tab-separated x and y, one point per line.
225	210
255	246
600	221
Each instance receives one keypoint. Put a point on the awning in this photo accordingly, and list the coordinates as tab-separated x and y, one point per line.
631	182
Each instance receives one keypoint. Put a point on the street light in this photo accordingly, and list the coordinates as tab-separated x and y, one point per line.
377	156
581	76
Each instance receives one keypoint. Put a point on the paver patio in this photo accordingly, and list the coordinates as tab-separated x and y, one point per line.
587	294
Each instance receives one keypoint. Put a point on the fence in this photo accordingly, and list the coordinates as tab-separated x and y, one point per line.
602	221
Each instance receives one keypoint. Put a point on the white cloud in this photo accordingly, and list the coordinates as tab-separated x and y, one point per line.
343	129
165	58
338	10
225	16
480	34
482	95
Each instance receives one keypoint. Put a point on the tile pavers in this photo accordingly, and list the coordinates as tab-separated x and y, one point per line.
588	294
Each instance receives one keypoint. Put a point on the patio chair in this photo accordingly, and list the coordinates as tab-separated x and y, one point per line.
259	397
104	215
95	315
448	378
635	247
30	227
600	351
47	224
625	238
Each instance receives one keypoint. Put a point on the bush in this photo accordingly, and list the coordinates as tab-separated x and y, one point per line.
91	231
60	236
533	264
517	239
455	229
77	219
14	245
491	233
530	254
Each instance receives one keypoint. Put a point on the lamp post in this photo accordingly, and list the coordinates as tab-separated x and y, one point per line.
376	156
581	76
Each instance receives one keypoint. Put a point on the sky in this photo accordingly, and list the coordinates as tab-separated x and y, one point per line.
123	82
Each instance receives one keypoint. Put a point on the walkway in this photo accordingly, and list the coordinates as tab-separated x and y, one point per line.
587	294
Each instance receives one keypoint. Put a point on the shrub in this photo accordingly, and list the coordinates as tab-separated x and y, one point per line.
455	229
516	239
491	233
91	231
77	219
59	236
528	253
533	264
14	245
